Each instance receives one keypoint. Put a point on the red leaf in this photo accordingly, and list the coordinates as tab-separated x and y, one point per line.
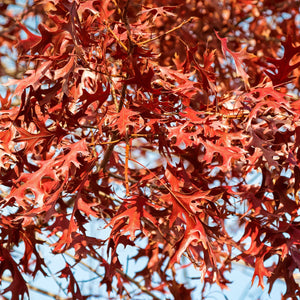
25	45
281	69
131	218
67	161
30	242
142	79
158	11
238	59
123	120
96	7
18	286
195	233
29	188
65	70
260	271
68	229
5	101
34	78
86	207
34	139
73	286
228	154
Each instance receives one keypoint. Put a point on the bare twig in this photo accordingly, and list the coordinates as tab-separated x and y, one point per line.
167	32
110	148
109	197
121	178
36	289
141	287
136	283
53	277
107	153
117	39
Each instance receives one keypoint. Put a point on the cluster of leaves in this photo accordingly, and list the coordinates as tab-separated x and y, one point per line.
151	117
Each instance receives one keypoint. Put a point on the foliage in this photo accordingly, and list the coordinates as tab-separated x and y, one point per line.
150	118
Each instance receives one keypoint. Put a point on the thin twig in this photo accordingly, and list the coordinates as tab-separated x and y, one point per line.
117	6
36	289
100	193
167	32
107	153
123	94
80	262
109	150
141	287
52	275
113	92
117	39
121	178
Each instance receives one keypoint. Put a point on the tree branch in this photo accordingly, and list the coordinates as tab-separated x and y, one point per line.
36	289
